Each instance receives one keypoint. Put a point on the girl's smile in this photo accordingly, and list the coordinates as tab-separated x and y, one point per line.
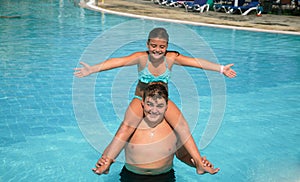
157	48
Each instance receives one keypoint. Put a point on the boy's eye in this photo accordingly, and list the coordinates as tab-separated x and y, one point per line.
160	106
149	104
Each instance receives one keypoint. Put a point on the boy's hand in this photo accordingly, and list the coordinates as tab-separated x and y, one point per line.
205	167
103	165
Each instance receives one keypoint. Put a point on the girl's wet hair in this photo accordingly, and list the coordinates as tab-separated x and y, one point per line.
160	33
156	90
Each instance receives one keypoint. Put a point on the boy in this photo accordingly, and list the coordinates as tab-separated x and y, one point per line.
151	149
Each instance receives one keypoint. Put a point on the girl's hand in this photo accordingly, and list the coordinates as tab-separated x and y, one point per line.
84	71
227	71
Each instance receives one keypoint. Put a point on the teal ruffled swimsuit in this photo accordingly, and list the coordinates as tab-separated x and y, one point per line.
145	76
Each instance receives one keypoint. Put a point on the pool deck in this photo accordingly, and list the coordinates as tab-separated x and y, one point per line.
147	9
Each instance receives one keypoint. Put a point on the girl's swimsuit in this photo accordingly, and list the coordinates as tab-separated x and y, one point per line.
145	76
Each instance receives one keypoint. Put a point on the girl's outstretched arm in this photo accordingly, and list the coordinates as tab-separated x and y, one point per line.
206	65
109	64
227	71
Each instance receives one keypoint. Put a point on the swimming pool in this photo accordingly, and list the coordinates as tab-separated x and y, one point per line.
40	135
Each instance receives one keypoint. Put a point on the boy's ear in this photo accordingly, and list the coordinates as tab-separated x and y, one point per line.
143	103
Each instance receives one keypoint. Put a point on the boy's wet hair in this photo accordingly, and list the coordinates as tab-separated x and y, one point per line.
156	90
160	33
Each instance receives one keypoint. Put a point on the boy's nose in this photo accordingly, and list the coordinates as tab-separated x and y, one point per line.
155	110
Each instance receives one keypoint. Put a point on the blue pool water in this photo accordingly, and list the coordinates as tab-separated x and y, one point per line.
42	139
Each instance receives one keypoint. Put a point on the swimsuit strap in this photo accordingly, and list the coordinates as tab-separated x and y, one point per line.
147	61
165	60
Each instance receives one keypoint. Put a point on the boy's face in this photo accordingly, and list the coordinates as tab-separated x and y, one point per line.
154	109
157	48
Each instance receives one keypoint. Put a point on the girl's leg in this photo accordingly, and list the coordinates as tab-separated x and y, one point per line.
132	118
175	118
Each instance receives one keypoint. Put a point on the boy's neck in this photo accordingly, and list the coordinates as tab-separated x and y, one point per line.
147	125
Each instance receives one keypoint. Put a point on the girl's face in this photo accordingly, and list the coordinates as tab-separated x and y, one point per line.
157	48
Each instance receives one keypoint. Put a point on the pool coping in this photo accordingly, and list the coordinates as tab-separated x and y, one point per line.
91	5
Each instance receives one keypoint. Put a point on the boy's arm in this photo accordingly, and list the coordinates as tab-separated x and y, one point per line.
120	139
103	165
207	167
184	156
133	117
113	149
